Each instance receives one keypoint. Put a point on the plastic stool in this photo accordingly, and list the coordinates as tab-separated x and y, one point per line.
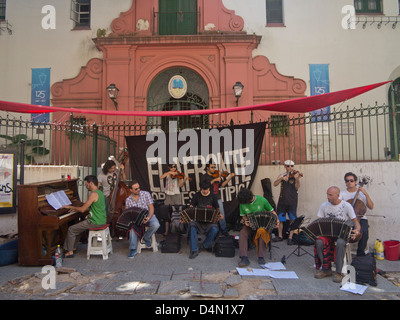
154	244
103	248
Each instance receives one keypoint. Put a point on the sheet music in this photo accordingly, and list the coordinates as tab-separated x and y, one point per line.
58	199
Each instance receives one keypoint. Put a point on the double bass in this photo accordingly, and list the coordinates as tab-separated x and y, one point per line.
358	205
117	198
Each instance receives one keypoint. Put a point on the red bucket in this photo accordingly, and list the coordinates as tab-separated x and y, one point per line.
392	250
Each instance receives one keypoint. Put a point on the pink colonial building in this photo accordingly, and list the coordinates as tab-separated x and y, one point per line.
200	42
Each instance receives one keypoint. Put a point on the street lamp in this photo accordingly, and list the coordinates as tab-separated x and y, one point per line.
113	94
238	89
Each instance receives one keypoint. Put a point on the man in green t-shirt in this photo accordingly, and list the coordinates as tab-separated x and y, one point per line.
249	203
97	215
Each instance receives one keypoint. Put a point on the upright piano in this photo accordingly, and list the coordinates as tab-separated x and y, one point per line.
40	227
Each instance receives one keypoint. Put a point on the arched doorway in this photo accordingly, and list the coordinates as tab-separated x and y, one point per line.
196	97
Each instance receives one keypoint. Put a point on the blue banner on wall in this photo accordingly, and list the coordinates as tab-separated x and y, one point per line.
319	84
40	94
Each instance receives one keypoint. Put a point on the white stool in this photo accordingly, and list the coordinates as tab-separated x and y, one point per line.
95	247
154	244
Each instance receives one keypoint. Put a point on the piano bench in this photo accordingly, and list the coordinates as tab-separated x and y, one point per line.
96	247
154	244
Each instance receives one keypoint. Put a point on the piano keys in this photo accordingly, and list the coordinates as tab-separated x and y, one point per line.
40	227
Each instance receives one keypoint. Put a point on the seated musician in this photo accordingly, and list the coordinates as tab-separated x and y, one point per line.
141	199
250	203
203	199
96	218
325	246
349	194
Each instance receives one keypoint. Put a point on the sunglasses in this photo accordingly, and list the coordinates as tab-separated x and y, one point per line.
289	166
350	180
138	188
212	167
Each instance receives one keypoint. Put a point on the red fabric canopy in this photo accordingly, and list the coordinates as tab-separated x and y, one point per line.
299	105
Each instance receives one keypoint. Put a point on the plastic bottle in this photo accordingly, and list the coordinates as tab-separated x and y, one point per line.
378	250
58	257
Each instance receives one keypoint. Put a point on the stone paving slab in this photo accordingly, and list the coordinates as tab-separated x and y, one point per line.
173	287
120	287
147	287
92	286
196	275
206	289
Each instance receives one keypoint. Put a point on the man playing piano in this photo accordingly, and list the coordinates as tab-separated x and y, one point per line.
97	215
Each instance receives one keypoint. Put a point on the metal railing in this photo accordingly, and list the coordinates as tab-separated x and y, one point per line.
354	134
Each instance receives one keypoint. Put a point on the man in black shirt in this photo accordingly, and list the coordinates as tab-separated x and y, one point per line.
203	199
216	180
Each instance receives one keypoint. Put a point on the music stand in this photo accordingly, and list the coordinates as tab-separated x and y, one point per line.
296	225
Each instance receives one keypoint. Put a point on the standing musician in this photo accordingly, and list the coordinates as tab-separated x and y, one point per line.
141	199
97	215
203	199
174	181
216	180
249	203
108	177
349	194
287	204
172	185
325	246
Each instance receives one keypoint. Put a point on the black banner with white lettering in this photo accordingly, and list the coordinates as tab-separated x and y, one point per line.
235	149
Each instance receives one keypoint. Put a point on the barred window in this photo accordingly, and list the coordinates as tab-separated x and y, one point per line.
3	9
274	11
279	125
368	6
80	13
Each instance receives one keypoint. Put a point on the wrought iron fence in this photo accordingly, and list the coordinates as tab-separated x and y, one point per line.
353	134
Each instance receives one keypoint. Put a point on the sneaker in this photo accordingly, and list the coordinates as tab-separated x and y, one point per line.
132	254
148	244
277	239
193	254
337	277
261	261
322	274
290	242
244	262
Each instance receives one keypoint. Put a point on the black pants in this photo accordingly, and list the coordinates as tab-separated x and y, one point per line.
362	244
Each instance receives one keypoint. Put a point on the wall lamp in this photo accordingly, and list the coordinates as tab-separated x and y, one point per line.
113	94
238	89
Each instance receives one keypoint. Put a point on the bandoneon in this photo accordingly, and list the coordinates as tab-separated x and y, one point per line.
131	216
200	215
330	227
262	219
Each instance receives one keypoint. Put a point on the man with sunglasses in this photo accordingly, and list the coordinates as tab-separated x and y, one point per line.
287	203
349	194
142	199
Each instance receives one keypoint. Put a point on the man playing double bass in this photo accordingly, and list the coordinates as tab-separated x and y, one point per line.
349	194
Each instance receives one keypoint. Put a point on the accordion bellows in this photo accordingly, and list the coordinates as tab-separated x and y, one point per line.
329	227
131	216
200	215
262	219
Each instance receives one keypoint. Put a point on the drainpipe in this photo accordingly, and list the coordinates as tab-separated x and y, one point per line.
395	138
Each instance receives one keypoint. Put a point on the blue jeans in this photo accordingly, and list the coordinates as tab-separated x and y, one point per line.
153	226
222	223
212	233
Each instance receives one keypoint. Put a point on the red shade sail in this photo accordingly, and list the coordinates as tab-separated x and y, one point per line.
299	105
